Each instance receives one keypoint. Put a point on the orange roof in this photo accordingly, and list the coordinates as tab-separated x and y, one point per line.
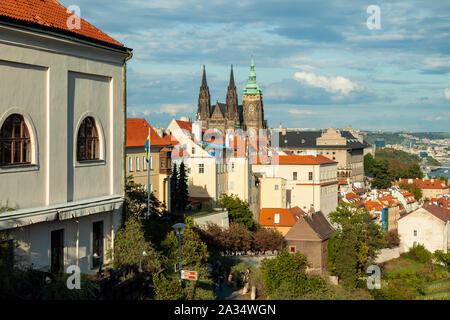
185	125
373	205
137	133
288	217
293	160
50	14
424	183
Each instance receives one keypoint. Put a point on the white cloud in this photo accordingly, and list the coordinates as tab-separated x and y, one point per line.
437	62
297	111
173	109
447	93
335	84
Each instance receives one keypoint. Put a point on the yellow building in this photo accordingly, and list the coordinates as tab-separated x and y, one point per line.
159	163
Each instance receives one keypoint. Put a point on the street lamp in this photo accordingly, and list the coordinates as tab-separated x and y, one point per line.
179	229
143	254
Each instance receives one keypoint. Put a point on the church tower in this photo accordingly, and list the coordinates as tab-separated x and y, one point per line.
252	103
232	111
204	102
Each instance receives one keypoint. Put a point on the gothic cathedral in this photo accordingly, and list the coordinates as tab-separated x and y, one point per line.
231	115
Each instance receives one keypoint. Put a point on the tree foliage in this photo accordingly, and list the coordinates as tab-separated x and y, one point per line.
392	239
136	200
358	237
130	243
369	163
238	210
382	176
268	240
414	188
179	193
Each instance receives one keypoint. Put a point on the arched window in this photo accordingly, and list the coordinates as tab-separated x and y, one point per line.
87	141
15	144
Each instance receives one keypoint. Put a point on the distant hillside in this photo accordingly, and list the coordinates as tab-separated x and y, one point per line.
389	138
432	135
389	154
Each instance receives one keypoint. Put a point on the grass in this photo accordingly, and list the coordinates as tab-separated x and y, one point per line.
402	264
437	290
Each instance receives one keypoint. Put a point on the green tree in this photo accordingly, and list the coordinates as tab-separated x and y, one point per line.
174	189
442	257
285	269
358	237
369	162
414	188
130	243
238	210
183	193
413	171
136	199
383	177
167	289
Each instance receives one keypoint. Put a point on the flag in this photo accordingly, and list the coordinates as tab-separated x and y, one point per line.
147	147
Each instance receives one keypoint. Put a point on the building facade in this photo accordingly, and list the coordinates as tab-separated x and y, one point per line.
311	182
346	147
62	133
159	163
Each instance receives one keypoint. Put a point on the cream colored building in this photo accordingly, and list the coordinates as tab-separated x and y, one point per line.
63	91
346	147
428	225
159	162
211	175
273	192
311	182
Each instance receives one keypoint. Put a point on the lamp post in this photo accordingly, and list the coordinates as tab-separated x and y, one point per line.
143	254
179	229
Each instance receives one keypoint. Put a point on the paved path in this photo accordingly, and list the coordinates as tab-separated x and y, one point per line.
227	293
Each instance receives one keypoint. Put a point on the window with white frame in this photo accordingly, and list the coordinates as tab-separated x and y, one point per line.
201	168
130	164
137	163
231	186
144	163
276	187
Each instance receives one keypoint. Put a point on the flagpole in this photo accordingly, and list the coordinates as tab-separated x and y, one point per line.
148	175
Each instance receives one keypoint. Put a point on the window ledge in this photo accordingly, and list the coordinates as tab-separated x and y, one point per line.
19	168
89	163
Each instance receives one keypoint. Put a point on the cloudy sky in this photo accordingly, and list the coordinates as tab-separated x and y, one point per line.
317	62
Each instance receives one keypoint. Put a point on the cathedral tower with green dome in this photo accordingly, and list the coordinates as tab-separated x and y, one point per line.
252	103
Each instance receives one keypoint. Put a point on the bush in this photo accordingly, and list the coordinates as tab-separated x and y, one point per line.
238	272
443	258
392	239
130	243
167	289
394	290
206	206
57	289
420	253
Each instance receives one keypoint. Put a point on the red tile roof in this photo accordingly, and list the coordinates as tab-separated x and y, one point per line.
185	125
50	13
137	133
439	212
288	217
424	183
373	205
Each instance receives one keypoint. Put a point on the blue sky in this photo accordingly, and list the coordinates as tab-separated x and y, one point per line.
318	63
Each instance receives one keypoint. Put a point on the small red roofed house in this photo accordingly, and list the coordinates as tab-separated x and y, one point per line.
431	188
281	219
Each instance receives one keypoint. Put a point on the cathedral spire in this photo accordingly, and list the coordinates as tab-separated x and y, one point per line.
231	84
204	83
252	86
204	100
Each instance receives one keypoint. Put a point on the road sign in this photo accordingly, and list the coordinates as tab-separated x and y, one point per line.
188	275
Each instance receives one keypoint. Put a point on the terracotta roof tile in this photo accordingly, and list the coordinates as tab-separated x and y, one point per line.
137	133
51	14
288	216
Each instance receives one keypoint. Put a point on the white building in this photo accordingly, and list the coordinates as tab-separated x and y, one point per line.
428	225
62	115
310	180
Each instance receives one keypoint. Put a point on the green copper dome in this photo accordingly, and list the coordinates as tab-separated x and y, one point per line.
252	87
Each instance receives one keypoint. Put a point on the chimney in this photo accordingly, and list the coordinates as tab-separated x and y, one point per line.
197	131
